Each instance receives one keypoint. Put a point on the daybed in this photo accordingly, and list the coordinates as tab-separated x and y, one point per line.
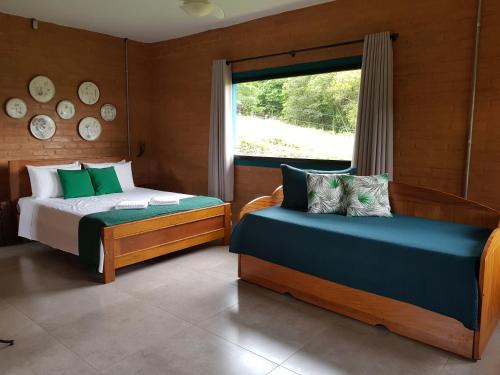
431	273
56	222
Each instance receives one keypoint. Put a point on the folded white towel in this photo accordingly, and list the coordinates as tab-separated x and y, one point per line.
131	205
163	201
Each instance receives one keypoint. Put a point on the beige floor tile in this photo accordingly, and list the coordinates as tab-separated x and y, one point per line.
106	336
144	277
217	262
13	322
32	276
203	258
64	322
193	351
352	347
488	365
55	308
3	304
23	257
394	355
462	366
195	298
268	327
36	352
282	371
335	351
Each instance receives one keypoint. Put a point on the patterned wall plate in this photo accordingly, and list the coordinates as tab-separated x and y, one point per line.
65	109
42	89
89	128
108	112
42	127
16	108
88	92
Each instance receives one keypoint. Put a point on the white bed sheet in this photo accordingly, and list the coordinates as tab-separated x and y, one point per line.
54	221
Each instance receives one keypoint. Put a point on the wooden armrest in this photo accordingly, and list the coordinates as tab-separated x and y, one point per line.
263	202
489	286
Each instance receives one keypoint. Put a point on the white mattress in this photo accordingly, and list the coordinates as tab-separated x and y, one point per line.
54	221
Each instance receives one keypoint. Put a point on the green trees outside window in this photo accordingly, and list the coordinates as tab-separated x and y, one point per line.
311	116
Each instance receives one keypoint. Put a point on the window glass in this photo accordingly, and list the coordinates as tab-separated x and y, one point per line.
310	116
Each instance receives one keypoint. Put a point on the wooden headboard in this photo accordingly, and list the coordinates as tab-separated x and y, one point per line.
433	204
19	180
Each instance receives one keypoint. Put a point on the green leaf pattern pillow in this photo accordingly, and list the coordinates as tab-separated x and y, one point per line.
325	194
367	195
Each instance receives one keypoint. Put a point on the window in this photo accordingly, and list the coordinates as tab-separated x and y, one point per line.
309	116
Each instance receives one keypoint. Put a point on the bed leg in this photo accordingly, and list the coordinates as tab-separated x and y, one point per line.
109	257
227	224
109	275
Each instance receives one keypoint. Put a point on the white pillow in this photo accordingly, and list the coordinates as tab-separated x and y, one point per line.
101	165
123	171
45	181
124	174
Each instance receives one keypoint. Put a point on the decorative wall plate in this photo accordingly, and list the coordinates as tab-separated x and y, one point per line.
88	92
42	89
65	109
42	127
89	128
16	108
108	112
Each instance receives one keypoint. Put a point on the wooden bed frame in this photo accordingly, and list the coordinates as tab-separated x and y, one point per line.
130	243
399	317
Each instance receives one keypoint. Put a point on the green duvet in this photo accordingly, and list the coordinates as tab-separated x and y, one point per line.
90	226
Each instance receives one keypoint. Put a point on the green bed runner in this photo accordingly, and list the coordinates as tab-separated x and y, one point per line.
90	226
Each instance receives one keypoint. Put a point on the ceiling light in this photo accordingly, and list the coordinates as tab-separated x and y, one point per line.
202	8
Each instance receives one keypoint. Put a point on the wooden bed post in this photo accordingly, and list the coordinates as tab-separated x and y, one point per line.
227	224
109	255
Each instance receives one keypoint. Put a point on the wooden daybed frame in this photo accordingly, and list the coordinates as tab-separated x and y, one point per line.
129	243
399	317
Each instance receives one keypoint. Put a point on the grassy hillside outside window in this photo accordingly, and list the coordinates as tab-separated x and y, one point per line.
310	116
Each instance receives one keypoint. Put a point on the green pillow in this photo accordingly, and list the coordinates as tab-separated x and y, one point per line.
75	184
105	180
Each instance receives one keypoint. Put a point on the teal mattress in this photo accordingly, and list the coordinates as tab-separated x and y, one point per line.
428	263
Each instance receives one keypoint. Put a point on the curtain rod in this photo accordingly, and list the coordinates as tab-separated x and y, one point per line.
394	36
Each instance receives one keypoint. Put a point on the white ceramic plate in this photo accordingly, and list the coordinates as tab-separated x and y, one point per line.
42	127
16	108
89	128
108	112
42	89
65	109
88	92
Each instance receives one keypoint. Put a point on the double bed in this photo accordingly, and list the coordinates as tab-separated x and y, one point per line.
56	221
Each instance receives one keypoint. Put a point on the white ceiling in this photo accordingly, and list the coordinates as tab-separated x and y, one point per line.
144	20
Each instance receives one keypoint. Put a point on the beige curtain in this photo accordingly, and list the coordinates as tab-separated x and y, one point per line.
373	146
220	148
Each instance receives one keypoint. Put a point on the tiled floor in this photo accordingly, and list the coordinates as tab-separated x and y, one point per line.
188	314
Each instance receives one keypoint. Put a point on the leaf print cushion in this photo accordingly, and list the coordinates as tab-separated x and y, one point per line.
325	194
367	195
